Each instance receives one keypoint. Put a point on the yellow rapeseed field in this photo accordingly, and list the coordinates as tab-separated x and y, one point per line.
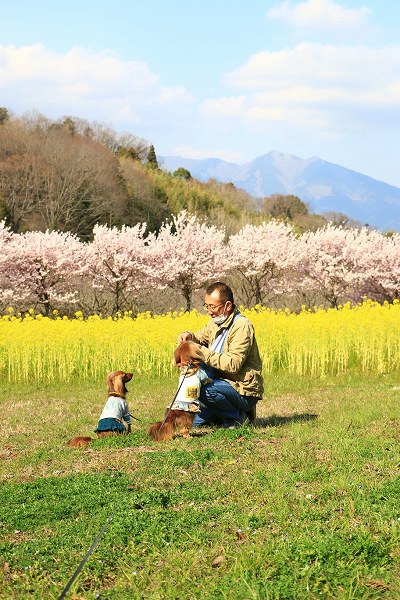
318	342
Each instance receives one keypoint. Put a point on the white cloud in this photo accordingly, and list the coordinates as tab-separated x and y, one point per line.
229	106
91	85
315	73
351	68
327	87
326	15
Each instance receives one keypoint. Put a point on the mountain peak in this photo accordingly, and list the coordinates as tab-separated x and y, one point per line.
323	185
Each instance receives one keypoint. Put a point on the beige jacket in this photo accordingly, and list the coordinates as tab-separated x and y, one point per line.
239	362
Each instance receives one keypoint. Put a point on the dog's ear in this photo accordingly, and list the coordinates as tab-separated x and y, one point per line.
119	386
110	382
116	384
182	353
177	355
188	352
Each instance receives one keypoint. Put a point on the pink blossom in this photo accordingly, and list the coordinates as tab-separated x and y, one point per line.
6	292
41	268
264	256
118	262
189	253
332	266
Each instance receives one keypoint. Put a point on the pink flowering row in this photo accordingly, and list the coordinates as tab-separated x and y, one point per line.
55	270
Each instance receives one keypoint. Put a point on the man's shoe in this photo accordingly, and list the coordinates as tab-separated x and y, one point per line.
251	414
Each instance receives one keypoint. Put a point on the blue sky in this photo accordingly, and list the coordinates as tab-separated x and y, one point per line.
216	78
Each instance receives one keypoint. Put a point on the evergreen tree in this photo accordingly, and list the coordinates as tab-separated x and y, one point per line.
152	158
70	125
183	173
4	115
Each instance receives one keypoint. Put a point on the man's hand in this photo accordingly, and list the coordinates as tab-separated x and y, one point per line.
185	336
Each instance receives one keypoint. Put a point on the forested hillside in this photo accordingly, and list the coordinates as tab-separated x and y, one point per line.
70	174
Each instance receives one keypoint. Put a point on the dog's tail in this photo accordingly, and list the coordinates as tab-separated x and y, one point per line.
79	442
160	434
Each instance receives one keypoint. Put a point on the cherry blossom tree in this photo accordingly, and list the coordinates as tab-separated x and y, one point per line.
6	293
189	253
55	270
43	267
331	265
118	263
378	260
263	256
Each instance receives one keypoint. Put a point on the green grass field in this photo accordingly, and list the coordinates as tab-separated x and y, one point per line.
306	504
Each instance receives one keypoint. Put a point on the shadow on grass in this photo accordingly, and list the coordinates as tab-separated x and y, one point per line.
277	420
271	421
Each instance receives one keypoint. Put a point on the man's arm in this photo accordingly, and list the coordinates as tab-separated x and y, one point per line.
200	337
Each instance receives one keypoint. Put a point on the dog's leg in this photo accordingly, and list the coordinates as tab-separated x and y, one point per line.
185	422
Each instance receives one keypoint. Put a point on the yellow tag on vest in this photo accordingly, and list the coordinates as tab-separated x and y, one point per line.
192	392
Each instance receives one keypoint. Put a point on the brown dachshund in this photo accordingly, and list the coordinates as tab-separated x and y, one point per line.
179	419
114	412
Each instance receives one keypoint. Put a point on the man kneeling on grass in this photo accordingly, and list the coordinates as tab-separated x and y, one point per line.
232	361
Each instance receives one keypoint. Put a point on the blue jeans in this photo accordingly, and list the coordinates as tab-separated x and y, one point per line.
220	403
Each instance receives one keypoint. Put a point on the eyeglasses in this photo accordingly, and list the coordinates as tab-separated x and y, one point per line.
212	307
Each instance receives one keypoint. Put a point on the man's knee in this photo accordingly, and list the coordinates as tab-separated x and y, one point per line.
212	396
221	398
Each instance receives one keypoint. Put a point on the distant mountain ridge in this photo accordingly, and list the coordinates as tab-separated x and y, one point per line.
322	185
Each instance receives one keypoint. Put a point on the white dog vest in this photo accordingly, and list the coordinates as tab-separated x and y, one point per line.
189	392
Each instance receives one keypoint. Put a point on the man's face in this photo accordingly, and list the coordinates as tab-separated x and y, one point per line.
215	306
